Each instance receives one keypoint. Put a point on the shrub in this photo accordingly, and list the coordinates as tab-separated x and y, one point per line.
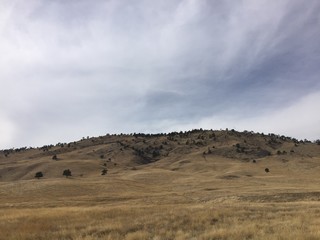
38	175
156	153
267	170
104	172
66	173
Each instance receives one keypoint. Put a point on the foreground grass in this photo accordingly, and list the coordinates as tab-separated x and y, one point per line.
160	204
202	221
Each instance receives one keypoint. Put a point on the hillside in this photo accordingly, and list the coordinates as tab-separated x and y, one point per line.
186	185
184	151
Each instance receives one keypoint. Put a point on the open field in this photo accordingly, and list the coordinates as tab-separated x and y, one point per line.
188	192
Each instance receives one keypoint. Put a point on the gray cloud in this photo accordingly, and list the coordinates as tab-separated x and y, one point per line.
77	68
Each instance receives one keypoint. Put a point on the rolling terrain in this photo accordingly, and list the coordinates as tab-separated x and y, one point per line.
200	184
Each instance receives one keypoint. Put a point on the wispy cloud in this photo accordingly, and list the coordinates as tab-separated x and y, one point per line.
74	68
298	120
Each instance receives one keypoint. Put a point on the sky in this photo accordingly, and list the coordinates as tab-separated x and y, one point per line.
78	68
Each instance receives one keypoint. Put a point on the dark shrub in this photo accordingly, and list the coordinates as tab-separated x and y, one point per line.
104	172
38	175
67	173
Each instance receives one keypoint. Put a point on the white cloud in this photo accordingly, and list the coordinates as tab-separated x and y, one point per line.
89	67
300	120
7	131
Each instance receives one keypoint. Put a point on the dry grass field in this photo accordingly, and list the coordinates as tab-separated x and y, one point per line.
195	185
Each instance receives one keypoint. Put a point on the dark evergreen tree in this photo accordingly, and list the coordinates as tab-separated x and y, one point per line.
67	173
38	175
104	172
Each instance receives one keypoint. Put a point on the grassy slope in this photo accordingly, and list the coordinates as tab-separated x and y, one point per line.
177	193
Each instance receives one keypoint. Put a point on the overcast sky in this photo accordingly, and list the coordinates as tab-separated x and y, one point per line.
76	68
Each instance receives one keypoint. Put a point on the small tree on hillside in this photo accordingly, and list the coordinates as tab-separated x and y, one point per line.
67	173
267	170
38	175
104	172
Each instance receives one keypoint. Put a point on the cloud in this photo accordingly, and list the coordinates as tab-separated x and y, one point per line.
7	130
77	68
297	120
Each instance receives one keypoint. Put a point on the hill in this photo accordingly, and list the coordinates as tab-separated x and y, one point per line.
177	151
180	185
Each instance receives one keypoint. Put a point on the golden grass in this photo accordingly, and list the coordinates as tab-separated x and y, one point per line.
206	221
182	196
144	205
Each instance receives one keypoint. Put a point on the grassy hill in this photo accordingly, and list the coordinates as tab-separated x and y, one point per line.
186	185
185	151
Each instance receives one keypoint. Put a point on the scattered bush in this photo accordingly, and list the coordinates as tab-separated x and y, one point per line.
66	173
267	170
156	153
38	175
281	153
54	157
104	172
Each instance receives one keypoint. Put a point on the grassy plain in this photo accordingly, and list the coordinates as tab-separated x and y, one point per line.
184	195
